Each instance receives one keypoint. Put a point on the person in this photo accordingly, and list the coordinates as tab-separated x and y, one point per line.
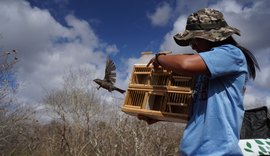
222	67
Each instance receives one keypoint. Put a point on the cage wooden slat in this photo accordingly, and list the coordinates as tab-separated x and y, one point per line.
159	94
181	98
177	104
132	98
127	99
135	98
174	97
185	99
142	72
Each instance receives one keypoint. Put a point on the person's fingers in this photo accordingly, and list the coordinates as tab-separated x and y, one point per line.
155	65
150	62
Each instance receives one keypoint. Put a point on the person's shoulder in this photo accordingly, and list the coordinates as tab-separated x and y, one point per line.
226	47
232	49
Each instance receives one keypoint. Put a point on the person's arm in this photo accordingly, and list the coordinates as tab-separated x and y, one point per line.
183	64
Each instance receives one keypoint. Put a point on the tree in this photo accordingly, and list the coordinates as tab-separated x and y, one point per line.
86	124
13	116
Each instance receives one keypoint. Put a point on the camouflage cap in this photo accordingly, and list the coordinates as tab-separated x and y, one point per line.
207	24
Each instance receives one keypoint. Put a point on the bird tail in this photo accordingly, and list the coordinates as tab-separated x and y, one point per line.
120	90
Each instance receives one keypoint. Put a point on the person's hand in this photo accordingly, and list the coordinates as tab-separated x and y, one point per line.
149	120
154	61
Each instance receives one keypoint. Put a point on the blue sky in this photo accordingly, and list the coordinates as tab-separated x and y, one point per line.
54	35
124	23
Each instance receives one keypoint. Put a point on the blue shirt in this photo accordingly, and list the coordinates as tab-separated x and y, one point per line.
217	113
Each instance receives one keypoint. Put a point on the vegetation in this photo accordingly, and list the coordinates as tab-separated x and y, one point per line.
81	123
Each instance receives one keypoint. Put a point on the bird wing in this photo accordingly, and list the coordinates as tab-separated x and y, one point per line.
110	74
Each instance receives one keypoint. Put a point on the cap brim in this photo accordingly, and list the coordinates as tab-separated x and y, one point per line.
210	35
184	38
181	42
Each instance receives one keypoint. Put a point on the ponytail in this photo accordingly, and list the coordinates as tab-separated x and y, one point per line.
251	61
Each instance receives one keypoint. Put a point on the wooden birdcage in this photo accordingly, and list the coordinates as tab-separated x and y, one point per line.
158	94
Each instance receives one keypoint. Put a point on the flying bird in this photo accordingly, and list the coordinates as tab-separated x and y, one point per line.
109	78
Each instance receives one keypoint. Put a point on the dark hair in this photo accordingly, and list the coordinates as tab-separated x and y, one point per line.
251	60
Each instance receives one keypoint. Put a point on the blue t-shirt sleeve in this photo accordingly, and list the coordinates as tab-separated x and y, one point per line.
224	60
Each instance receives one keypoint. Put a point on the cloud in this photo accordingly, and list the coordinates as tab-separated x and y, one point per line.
250	19
112	49
169	43
255	97
161	16
47	49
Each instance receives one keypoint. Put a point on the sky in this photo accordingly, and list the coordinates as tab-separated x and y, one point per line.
54	36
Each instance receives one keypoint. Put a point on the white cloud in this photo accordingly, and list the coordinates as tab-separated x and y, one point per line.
169	43
255	97
82	31
111	49
47	49
161	16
